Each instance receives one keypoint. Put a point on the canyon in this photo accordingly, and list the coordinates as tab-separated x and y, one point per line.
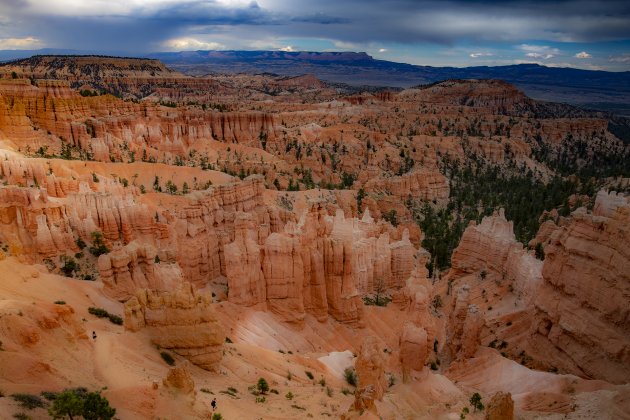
361	251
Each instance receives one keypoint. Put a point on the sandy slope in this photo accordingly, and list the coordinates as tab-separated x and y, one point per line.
48	346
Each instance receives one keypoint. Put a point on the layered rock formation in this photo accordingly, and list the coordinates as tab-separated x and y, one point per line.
413	349
183	321
465	323
321	265
370	368
582	317
180	380
500	407
491	247
133	267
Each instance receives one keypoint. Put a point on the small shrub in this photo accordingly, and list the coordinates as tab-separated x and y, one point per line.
475	401
206	390
274	391
167	358
434	366
98	246
99	312
289	395
115	319
262	385
80	243
297	407
350	375
322	382
60	302
227	340
309	375
102	313
329	391
289	375
69	267
217	416
261	399
346	391
231	391
29	401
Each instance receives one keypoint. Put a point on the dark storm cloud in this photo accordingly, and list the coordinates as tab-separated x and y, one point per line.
147	23
446	22
211	13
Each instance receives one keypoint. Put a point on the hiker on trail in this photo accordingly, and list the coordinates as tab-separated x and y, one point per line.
94	335
214	404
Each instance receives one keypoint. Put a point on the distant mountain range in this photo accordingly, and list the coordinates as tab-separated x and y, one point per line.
601	90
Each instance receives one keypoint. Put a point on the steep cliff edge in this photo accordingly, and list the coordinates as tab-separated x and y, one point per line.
582	320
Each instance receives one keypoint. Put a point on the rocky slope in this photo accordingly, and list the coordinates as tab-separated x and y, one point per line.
277	233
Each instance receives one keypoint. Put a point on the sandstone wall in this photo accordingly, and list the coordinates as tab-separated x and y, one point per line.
182	320
582	321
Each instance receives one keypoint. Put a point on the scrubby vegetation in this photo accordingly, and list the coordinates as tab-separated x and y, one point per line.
80	402
102	313
350	376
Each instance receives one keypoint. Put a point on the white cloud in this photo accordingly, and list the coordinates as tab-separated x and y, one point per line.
480	54
382	50
539	55
583	54
544	52
623	58
288	48
186	44
20	43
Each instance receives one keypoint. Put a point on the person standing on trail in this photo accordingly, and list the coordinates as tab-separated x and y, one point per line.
93	335
214	404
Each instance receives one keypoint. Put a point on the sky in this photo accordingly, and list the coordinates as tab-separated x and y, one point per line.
584	34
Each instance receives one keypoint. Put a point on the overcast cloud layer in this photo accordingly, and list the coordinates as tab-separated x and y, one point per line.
586	34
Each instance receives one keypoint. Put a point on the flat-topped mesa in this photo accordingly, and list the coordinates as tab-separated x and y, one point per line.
122	76
582	315
182	320
494	96
89	66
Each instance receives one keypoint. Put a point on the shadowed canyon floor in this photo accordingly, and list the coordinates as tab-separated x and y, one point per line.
384	254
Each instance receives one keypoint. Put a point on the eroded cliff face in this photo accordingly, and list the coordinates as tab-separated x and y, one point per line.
320	265
292	268
182	320
582	318
490	251
565	313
